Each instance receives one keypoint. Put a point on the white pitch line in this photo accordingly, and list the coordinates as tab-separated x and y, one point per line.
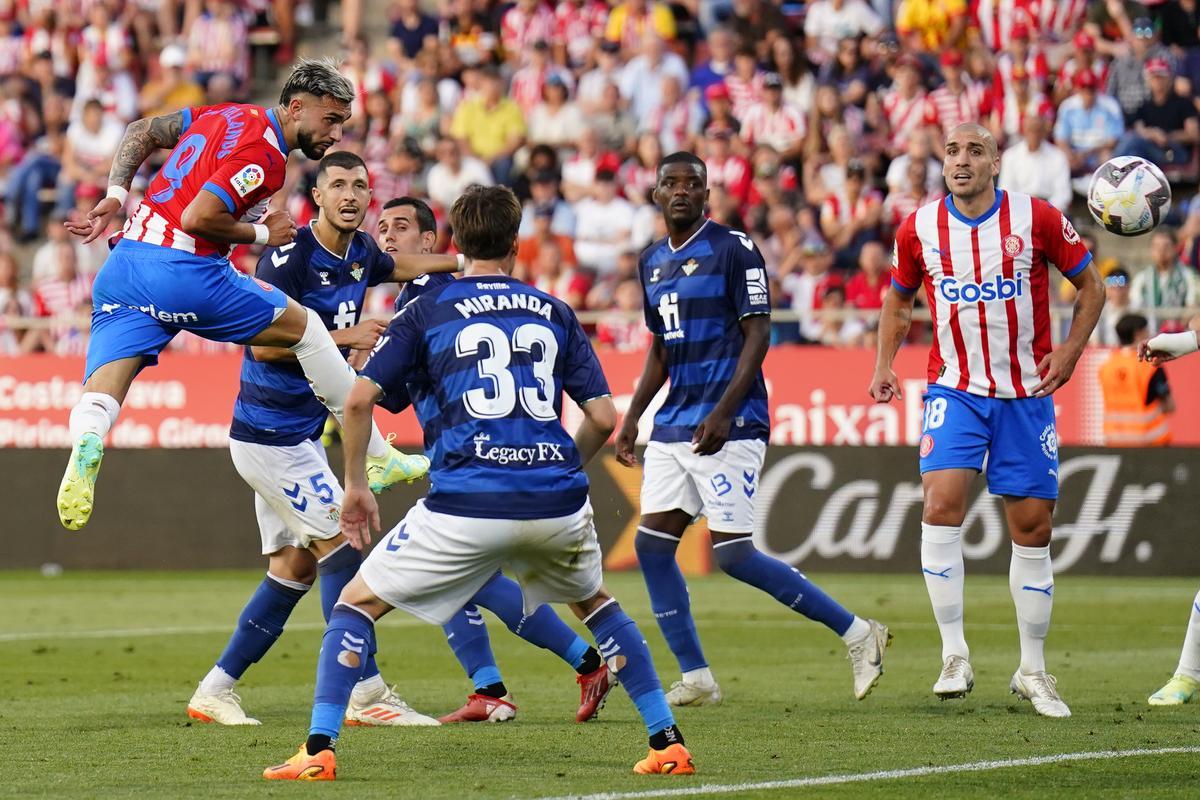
883	775
170	630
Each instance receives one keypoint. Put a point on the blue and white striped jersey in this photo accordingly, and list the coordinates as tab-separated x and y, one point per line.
275	405
486	360
695	299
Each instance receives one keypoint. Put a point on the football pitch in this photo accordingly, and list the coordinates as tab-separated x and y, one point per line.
97	668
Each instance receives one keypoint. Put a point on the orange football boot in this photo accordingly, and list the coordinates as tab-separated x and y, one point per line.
674	760
303	767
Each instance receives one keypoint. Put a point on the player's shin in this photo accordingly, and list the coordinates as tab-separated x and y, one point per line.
624	650
543	628
259	627
467	635
337	569
669	597
942	567
349	640
1031	581
331	377
1189	659
740	559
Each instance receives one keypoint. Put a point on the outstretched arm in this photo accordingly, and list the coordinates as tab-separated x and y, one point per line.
142	137
414	265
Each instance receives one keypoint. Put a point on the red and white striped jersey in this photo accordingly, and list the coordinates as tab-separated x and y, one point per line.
1067	72
947	110
1060	19
996	18
904	116
987	282
519	29
779	127
733	173
235	152
743	94
528	82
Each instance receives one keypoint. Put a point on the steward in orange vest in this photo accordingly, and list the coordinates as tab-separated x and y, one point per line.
1137	398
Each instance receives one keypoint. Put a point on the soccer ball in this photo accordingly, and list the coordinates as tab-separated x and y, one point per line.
1129	196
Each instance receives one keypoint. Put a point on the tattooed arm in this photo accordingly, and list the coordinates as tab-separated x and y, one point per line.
142	137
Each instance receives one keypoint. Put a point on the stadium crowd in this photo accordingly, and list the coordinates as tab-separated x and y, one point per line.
820	123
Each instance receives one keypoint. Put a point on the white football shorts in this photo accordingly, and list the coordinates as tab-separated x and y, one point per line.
431	564
296	495
722	486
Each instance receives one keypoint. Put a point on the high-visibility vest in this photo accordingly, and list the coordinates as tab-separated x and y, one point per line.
1128	420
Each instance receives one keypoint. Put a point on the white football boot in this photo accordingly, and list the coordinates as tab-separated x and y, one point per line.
1041	689
384	708
223	708
957	678
866	658
687	693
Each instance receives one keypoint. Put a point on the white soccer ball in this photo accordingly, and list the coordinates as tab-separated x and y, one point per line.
1129	196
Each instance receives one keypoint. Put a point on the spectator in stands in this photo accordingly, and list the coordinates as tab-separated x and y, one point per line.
904	105
675	120
544	198
623	329
1164	284
62	298
1137	397
639	173
217	43
642	78
615	128
115	91
1089	125
759	22
411	31
913	193
1110	24
1117	304
866	288
541	232
720	111
799	82
829	21
1165	129
726	168
632	20
454	172
1127	73
594	82
490	126
88	151
849	73
1083	58
774	124
745	82
721	47
527	83
955	101
525	24
602	225
931	26
1023	98
173	89
1036	167
837	325
1180	20
14	302
424	121
37	171
578	26
806	284
553	274
782	332
850	216
556	121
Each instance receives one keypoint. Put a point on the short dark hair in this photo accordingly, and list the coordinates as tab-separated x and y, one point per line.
426	221
683	157
1128	327
339	158
485	220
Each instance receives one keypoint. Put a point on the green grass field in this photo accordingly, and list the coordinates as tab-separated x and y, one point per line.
96	670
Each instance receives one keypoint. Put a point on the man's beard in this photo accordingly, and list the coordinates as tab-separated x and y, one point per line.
310	148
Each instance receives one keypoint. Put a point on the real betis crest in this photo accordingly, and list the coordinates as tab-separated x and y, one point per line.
356	271
690	266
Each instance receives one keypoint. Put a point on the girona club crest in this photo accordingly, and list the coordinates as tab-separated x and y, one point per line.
1013	245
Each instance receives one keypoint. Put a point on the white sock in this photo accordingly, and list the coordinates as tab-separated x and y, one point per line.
699	677
1189	661
94	413
1031	581
217	680
331	377
857	630
942	566
368	687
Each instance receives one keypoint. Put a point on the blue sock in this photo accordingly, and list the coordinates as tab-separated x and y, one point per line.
467	636
669	597
348	641
740	559
259	625
502	596
619	640
336	570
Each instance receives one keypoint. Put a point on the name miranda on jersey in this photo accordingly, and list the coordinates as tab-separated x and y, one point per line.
503	302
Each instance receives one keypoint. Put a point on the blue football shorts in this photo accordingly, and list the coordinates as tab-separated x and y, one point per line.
1017	437
145	294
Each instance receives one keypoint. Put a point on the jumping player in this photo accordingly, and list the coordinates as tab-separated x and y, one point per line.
982	256
169	269
407	225
275	446
487	359
706	304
